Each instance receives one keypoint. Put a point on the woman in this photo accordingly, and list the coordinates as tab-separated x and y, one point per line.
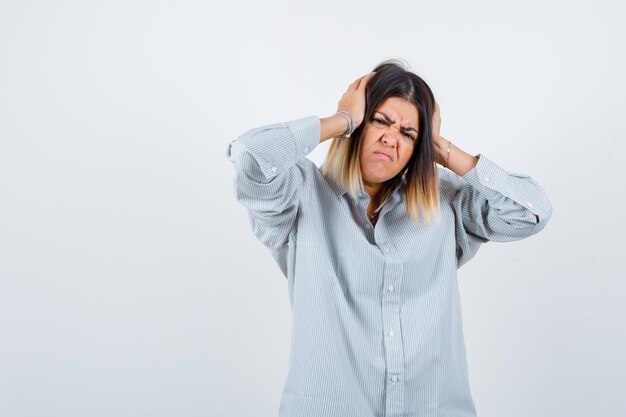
370	244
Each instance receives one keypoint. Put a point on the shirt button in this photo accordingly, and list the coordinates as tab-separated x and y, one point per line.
367	225
486	179
390	288
391	333
530	204
273	169
394	378
306	149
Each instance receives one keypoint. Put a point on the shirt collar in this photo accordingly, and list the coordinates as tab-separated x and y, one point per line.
339	190
336	187
396	192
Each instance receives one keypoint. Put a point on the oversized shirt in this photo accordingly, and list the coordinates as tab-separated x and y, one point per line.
376	314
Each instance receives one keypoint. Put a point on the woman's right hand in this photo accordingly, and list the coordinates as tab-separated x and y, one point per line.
353	100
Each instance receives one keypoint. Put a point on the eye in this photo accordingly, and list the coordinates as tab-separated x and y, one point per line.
378	121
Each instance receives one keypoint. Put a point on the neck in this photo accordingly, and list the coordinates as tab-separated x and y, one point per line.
372	190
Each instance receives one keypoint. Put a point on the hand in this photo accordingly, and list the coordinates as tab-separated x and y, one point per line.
436	121
460	162
441	144
353	100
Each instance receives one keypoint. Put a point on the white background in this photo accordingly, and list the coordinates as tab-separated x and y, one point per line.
130	281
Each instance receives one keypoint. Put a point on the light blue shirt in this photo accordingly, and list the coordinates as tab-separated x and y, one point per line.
376	315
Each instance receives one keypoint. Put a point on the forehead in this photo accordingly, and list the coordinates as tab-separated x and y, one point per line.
400	110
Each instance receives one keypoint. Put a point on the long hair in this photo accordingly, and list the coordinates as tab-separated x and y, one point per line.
418	179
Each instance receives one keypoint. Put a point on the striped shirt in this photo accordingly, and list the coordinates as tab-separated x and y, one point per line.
376	315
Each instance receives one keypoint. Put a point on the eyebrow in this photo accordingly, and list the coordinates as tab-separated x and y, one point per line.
388	119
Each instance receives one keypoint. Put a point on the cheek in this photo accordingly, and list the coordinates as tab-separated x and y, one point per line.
367	140
366	145
406	155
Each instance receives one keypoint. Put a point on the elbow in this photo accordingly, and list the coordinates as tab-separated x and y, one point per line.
545	214
542	217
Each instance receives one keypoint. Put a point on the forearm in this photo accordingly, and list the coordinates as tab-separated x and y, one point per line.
459	162
332	127
260	154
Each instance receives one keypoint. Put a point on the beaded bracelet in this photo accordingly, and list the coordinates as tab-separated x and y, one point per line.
348	116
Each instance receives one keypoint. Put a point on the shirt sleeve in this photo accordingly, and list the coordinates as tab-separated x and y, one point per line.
492	204
270	173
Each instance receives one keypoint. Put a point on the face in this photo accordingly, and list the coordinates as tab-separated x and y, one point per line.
388	140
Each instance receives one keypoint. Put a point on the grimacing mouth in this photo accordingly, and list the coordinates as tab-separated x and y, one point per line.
384	153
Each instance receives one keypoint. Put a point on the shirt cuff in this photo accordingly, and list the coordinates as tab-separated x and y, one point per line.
492	181
306	134
487	177
279	146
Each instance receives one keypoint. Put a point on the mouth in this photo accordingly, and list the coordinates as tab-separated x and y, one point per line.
383	155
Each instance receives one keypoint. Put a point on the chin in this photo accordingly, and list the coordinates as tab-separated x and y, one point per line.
376	179
375	175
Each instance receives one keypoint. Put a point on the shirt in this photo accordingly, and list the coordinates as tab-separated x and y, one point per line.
376	315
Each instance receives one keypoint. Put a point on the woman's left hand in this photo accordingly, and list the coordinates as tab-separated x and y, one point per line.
441	144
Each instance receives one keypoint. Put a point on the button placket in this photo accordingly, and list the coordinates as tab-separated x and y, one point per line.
394	350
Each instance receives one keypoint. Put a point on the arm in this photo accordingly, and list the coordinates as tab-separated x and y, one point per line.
268	178
493	204
489	202
271	168
270	172
490	180
498	205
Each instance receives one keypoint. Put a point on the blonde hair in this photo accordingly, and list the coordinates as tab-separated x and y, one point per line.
418	179
421	194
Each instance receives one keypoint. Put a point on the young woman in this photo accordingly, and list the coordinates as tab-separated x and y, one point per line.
370	244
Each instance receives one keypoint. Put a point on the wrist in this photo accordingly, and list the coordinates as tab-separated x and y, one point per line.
457	160
441	150
331	127
350	126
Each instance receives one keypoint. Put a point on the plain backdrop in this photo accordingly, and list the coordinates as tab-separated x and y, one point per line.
131	284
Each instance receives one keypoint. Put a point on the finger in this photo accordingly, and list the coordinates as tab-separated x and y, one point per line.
365	79
357	83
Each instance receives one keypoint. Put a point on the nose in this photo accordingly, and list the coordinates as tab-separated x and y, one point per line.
391	135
